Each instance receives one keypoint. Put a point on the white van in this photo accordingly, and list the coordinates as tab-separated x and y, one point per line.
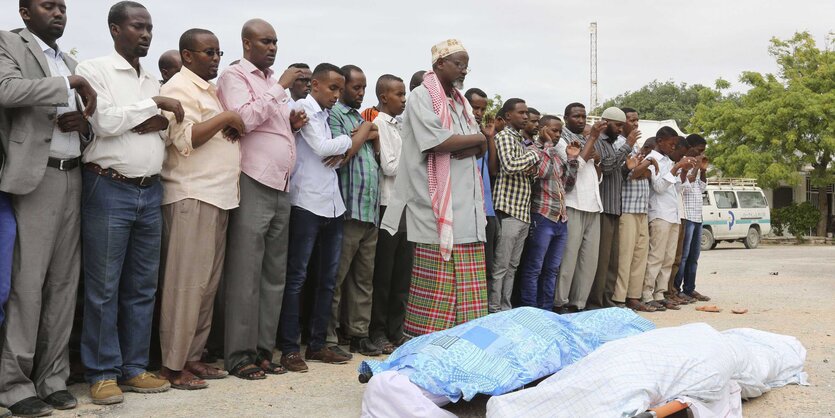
734	210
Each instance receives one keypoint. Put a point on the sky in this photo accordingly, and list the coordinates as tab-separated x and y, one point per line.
536	50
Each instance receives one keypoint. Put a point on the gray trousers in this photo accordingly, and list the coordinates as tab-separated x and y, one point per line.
579	263
508	252
354	280
45	274
255	272
607	263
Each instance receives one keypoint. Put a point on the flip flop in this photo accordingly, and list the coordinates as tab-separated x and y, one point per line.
188	381
206	372
739	311
709	308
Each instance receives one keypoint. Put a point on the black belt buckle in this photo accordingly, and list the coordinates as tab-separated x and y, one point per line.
145	181
61	165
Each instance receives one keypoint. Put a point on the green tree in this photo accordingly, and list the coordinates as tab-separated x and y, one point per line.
784	124
660	101
493	106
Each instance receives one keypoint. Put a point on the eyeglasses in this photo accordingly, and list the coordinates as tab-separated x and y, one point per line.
209	52
461	66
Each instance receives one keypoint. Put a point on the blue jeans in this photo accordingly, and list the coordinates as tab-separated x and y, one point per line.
690	251
8	231
543	256
305	229
121	229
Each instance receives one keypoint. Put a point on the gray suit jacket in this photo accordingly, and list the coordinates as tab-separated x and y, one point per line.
28	101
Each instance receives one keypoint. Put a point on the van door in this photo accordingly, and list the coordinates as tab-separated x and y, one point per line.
726	205
753	210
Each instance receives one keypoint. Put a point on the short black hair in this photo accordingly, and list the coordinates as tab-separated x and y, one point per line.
348	69
189	37
694	140
682	143
545	119
474	91
383	82
119	12
25	4
324	68
510	104
665	132
628	110
571	107
417	79
299	65
533	111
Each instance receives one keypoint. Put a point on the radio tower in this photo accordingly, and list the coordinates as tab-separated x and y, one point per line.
593	67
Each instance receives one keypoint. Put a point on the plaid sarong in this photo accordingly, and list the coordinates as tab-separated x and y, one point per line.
444	294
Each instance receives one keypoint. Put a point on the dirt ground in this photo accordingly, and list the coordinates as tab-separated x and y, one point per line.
787	289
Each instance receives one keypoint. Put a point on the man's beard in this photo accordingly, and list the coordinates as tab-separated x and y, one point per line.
458	84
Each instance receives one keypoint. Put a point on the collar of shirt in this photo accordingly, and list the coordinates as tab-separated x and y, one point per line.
344	109
515	133
199	82
388	118
313	109
251	68
120	63
48	50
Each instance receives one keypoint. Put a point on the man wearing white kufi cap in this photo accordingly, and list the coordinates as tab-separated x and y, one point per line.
439	188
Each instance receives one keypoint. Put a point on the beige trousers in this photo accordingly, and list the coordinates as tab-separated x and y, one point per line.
193	251
633	245
663	239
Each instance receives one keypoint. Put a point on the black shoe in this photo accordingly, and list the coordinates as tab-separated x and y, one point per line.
62	400
338	350
364	346
31	407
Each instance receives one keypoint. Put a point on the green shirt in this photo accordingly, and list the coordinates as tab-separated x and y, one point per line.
359	178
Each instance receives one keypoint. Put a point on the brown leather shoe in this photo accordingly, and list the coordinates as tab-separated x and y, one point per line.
325	355
293	362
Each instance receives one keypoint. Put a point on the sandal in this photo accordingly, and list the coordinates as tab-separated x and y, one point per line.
204	371
659	307
248	371
188	381
385	345
670	305
272	368
639	306
709	308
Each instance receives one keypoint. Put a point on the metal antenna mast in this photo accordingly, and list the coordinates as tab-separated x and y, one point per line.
593	67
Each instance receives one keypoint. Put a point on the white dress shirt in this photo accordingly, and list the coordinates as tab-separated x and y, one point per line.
586	193
313	185
664	196
64	144
124	101
390	145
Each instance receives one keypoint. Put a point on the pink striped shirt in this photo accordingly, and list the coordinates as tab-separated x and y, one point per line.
268	148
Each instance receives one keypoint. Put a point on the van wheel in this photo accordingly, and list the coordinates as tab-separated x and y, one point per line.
752	240
708	243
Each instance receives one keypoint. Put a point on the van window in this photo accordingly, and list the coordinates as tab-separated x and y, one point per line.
751	200
705	198
725	200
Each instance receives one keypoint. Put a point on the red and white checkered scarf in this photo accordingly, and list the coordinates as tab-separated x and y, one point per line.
438	163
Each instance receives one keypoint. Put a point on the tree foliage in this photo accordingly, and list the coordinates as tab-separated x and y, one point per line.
797	219
493	106
785	122
660	101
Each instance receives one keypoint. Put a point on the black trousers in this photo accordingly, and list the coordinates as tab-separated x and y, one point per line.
392	275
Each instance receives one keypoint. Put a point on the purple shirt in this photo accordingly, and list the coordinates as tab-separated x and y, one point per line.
268	147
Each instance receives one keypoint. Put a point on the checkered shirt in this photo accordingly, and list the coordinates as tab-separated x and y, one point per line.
513	185
692	197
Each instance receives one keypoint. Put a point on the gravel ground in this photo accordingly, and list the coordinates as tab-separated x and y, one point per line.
798	301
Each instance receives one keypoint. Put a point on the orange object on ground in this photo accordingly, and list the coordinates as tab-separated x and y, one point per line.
739	311
709	308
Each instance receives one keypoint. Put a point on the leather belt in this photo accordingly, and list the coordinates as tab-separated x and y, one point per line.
64	165
115	175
